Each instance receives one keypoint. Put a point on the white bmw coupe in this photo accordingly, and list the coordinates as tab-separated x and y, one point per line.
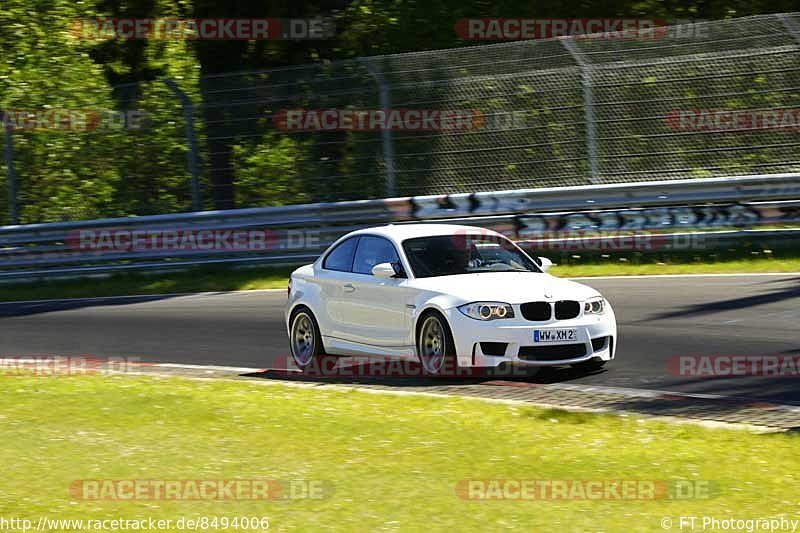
447	295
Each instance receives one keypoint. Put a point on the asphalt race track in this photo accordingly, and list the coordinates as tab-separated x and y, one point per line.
658	318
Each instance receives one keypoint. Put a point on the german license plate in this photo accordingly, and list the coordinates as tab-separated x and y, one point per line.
555	335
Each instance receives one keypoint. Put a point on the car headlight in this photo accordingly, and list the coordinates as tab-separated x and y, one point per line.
595	306
487	310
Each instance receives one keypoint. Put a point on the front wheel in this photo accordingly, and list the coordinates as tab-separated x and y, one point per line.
435	346
305	341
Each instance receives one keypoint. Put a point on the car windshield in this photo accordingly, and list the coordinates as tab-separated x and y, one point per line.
448	255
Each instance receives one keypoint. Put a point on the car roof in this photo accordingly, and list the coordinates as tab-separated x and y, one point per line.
401	232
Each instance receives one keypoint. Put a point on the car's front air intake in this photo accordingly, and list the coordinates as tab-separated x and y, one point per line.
599	343
556	352
497	349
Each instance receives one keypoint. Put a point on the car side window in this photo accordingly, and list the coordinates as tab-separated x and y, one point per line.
341	257
373	251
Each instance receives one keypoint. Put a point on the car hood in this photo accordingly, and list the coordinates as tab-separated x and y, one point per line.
508	287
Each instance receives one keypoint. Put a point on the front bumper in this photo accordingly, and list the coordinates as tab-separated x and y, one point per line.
518	336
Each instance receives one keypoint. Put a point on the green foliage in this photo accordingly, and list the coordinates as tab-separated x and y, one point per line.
269	161
73	175
116	172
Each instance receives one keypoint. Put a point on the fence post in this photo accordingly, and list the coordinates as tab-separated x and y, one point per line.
386	134
191	155
588	105
12	177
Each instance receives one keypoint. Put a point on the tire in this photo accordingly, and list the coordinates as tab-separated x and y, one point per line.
305	340
435	346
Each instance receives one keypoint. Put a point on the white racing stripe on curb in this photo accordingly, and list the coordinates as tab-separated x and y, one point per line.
210	368
628	392
654	394
709	424
237	369
600	389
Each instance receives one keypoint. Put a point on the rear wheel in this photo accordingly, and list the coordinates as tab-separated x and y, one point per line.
305	340
435	345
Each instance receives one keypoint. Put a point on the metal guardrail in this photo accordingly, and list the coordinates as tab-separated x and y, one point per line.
299	233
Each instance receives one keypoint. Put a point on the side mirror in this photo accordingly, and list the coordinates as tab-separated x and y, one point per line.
384	270
544	263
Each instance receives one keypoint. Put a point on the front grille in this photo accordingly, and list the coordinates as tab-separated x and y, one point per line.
536	311
599	343
552	353
566	309
496	349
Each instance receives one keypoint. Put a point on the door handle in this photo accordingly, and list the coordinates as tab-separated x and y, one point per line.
349	288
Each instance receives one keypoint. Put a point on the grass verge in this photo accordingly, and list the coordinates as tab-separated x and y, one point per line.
194	280
227	279
393	461
734	266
